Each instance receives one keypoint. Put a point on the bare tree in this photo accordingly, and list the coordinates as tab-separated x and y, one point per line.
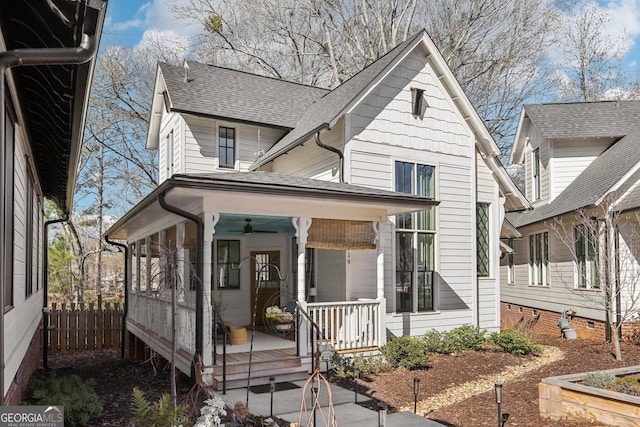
589	67
604	244
494	47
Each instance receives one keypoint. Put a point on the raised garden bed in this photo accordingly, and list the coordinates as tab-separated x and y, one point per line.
564	397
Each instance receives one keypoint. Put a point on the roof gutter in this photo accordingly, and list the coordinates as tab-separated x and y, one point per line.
26	57
334	150
199	272
125	309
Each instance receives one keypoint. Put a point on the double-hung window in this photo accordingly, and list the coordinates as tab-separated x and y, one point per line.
539	259
228	259
586	244
415	241
227	147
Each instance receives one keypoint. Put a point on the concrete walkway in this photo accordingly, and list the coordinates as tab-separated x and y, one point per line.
287	405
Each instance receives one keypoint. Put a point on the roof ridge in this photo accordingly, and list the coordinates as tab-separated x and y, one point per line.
256	75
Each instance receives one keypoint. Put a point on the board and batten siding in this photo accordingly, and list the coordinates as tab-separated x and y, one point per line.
571	158
23	320
170	122
560	294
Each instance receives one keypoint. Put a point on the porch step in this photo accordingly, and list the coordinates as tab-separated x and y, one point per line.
289	369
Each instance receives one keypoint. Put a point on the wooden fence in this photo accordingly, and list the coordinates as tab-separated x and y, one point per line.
83	327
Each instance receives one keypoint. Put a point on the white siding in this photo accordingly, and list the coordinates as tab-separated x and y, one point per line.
560	294
570	159
23	320
312	161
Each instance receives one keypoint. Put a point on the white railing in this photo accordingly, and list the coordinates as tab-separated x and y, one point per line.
349	325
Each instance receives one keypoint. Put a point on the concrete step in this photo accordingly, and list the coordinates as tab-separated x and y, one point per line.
260	377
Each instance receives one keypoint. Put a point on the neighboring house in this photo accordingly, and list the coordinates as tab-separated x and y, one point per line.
371	199
577	157
42	109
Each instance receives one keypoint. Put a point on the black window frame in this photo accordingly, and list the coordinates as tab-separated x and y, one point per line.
227	147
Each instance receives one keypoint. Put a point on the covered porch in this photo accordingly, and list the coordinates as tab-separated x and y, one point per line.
243	243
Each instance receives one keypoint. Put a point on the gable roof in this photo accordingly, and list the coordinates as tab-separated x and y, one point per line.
239	96
602	176
600	119
52	99
326	111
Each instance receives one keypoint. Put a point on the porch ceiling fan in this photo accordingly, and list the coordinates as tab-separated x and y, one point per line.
248	228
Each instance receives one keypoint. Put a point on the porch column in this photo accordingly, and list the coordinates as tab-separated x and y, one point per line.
382	307
207	345
182	255
302	229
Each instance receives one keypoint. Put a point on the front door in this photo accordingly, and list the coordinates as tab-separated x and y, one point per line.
265	280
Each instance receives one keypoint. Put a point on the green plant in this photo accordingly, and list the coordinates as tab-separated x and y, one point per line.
434	341
599	379
405	351
80	401
342	366
158	414
515	342
372	364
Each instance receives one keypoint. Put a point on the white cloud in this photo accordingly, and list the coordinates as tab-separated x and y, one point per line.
624	20
159	17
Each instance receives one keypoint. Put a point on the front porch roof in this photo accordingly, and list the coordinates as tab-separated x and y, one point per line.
266	193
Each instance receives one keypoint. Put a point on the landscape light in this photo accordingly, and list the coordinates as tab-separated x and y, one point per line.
416	391
498	392
382	414
272	389
356	374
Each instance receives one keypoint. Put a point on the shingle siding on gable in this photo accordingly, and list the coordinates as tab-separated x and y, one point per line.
385	115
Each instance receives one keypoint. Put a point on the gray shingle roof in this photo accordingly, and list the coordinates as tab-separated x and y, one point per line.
214	91
584	119
592	184
331	106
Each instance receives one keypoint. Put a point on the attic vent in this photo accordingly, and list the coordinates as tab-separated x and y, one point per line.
417	100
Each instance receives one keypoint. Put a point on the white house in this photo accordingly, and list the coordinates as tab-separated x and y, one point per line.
381	203
578	157
44	88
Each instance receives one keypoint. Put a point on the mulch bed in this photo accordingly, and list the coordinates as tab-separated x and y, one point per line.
115	379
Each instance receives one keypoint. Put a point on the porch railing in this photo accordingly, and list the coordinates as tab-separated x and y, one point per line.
349	325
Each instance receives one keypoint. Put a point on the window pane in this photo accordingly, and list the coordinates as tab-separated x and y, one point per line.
482	246
426	263
426	181
227	144
404	271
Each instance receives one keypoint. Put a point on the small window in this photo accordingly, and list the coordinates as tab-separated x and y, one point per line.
534	313
508	306
520	309
417	101
591	325
227	147
511	270
169	147
535	167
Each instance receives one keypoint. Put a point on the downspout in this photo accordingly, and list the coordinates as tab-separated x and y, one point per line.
36	56
333	149
125	308
45	289
199	272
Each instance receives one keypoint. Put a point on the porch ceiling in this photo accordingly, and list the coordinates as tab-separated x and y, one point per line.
268	199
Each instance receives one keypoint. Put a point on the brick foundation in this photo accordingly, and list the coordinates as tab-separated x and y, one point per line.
30	363
546	322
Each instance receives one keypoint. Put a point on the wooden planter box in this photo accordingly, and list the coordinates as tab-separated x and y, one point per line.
562	397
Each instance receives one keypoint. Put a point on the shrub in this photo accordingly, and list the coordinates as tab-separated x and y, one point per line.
160	413
465	337
408	352
434	341
343	366
80	401
514	342
599	379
